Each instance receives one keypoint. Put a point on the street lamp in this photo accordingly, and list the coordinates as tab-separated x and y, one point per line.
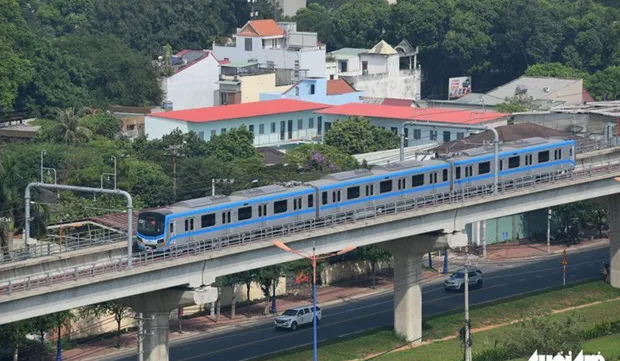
313	257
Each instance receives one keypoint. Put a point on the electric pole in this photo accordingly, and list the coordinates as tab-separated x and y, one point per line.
467	328
174	151
214	181
549	230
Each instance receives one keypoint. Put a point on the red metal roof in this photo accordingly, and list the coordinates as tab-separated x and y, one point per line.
339	86
236	111
408	113
398	102
267	27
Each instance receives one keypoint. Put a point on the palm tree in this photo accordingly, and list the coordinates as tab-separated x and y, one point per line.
68	129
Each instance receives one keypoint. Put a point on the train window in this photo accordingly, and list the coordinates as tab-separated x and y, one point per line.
370	189
324	200
334	197
244	213
280	206
484	167
225	217
262	210
171	227
310	200
457	172
207	220
501	164
186	225
353	192
417	180
514	162
435	177
558	154
445	175
191	224
385	186
338	196
570	151
528	159
401	184
543	156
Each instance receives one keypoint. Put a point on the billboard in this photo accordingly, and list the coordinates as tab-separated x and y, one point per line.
458	87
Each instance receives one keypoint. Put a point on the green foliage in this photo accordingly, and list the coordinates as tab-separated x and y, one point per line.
102	124
358	135
237	143
68	129
117	310
147	180
605	84
511	107
569	220
320	157
555	70
13	335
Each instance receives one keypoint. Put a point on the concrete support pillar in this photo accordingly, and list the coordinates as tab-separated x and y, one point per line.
407	253
156	308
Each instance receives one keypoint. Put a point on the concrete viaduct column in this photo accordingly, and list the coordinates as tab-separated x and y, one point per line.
613	205
155	308
407	253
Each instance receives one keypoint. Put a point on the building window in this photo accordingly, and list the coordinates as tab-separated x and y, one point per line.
328	126
261	129
447	136
311	123
223	131
213	133
433	135
248	44
417	134
311	89
394	130
296	91
364	67
331	76
251	128
300	124
342	66
223	98
273	127
460	135
319	123
201	135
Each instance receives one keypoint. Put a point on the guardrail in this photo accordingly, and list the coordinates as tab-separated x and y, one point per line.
142	259
55	244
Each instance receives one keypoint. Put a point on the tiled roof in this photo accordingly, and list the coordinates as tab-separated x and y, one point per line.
382	48
267	27
339	86
507	133
409	113
236	111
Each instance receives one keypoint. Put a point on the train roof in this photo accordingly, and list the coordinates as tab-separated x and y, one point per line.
199	202
267	190
505	147
408	164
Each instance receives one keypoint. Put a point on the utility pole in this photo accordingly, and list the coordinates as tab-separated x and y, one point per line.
219	180
467	327
174	150
140	335
549	230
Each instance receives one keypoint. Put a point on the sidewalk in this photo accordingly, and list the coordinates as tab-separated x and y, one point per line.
343	292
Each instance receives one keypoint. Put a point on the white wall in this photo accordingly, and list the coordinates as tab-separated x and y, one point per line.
405	86
290	7
155	127
194	86
377	64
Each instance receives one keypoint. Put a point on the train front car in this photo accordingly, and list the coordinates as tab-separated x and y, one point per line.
150	232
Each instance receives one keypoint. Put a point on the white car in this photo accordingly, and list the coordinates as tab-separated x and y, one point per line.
296	317
457	280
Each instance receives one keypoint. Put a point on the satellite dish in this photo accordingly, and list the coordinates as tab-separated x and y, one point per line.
520	89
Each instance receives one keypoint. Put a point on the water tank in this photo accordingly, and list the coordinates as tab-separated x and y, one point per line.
167	105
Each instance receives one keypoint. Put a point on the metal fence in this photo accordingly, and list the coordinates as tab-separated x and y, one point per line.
54	244
8	287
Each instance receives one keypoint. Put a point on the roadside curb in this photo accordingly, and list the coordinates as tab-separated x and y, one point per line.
536	258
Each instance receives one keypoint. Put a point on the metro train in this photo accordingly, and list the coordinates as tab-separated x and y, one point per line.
274	205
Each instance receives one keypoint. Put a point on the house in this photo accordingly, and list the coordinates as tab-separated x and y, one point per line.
276	45
277	122
542	92
243	82
190	80
378	71
319	90
430	127
290	7
132	118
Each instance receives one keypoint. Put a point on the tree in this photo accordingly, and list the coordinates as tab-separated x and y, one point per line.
102	124
605	84
9	197
320	157
13	335
146	181
373	254
358	135
555	70
45	323
247	278
517	104
237	143
268	278
117	310
68	130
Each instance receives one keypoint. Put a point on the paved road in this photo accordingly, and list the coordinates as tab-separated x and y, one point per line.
501	280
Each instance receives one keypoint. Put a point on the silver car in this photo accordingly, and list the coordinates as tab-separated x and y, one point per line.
457	279
296	317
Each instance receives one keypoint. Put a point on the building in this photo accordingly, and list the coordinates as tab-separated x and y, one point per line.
290	7
276	45
378	72
318	90
190	80
278	122
243	82
542	92
430	127
132	119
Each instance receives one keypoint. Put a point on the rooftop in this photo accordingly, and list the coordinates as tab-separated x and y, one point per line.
244	110
339	86
410	113
347	53
382	48
261	28
539	88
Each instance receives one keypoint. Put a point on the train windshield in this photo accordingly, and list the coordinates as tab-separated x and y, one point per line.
151	224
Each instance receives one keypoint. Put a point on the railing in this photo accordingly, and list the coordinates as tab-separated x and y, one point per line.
591	145
198	247
54	244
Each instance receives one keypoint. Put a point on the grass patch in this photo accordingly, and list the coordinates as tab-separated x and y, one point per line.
609	347
377	341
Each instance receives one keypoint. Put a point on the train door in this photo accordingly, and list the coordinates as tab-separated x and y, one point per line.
262	213
225	219
172	227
